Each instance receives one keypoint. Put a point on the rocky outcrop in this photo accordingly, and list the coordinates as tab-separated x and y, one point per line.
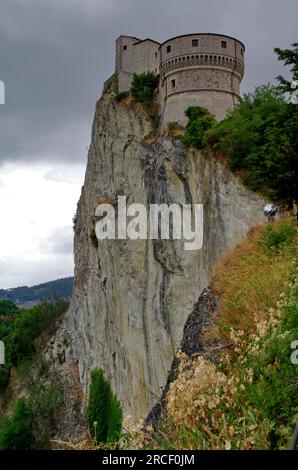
132	298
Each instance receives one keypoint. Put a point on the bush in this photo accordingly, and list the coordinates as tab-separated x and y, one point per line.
104	414
93	238
29	326
278	235
199	121
115	420
121	95
21	334
143	86
15	433
260	139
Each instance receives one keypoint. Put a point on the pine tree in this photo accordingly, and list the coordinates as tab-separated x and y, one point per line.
115	419
104	413
98	406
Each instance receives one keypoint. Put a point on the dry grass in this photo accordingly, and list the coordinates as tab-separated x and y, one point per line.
249	282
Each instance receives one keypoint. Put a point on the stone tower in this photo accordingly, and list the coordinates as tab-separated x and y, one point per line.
194	70
200	69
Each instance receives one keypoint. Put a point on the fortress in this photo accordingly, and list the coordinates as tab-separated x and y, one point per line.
194	70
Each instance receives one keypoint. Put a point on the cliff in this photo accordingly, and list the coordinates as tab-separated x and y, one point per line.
131	299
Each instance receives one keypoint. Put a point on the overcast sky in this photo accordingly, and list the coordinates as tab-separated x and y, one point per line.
54	57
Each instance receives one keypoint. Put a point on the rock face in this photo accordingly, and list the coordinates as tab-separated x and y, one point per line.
132	298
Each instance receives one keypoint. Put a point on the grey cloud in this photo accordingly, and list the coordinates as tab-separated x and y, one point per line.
55	54
19	272
59	242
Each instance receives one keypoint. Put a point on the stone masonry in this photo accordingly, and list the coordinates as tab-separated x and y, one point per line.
194	70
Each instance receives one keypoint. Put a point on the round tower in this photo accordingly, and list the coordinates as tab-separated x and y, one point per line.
199	70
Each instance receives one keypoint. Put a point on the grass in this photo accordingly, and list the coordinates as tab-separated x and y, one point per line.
251	278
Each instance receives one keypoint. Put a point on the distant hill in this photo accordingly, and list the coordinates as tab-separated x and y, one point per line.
29	296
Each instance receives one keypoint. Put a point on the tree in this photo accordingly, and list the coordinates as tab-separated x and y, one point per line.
260	139
289	57
15	433
143	86
104	414
199	121
115	420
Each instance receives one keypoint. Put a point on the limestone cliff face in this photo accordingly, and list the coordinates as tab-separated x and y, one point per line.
132	298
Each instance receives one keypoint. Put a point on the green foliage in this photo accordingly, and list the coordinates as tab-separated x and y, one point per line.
289	57
16	433
8	312
121	95
143	87
199	121
34	420
104	414
278	235
29	326
20	339
46	397
8	309
273	392
260	139
115	420
93	238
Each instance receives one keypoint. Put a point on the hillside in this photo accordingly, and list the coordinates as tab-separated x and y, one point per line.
28	296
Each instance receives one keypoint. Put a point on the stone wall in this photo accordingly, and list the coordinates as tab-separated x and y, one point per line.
135	56
200	70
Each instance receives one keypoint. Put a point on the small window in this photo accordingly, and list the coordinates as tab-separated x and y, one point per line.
125	47
195	43
224	44
168	49
241	50
156	54
173	83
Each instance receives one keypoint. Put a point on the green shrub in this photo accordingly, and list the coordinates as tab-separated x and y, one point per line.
143	87
259	138
93	238
4	376
115	420
20	335
278	235
16	433
104	414
121	95
199	121
29	326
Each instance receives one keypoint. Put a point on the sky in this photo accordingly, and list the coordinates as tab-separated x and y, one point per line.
54	58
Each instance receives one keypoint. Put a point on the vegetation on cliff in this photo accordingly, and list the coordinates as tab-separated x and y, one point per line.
104	413
259	137
20	330
143	87
34	416
242	392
